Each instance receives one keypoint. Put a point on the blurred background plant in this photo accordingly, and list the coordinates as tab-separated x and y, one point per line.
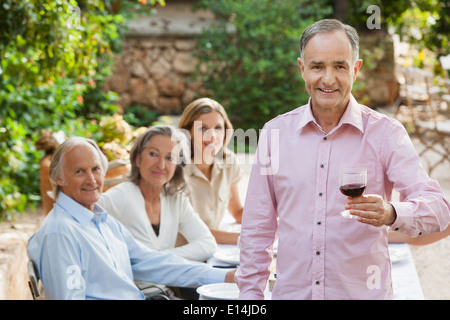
423	24
54	57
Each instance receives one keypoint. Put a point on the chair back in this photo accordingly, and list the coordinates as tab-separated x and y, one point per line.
33	281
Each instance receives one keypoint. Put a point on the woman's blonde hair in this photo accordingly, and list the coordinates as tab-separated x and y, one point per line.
203	106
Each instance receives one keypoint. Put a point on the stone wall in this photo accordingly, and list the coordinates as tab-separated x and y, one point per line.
154	71
14	259
157	60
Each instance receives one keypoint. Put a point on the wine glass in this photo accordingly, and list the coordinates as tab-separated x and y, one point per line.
352	183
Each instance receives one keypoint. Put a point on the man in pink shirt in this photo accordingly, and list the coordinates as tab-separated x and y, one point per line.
293	191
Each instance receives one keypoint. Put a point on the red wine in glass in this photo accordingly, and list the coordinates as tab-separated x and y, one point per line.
352	189
352	183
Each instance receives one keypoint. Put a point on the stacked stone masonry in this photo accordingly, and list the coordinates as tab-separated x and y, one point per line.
154	72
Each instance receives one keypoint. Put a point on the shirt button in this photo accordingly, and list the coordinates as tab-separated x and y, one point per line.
420	233
319	223
317	282
320	194
318	253
396	229
325	138
322	165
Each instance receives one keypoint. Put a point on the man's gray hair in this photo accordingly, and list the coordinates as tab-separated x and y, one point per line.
326	26
57	164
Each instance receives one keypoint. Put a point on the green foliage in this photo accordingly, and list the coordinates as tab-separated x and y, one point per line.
54	57
254	73
139	116
423	23
15	155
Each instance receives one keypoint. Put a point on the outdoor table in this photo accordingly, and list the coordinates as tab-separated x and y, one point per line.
405	280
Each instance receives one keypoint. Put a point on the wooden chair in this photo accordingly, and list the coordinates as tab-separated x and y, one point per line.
33	282
429	124
445	64
117	171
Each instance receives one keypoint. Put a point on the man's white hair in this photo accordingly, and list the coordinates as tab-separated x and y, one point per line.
57	165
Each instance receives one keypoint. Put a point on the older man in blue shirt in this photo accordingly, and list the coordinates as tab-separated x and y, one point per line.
81	252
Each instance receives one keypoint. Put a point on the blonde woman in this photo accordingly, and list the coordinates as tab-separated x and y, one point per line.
213	173
152	205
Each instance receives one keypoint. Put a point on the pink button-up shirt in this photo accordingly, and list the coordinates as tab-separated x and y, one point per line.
293	193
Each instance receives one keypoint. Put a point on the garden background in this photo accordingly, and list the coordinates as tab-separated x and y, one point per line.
104	69
57	60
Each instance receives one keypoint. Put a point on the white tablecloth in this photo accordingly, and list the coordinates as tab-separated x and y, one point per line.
405	280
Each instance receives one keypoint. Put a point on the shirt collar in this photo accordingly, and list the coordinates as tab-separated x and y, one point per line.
218	164
193	170
80	213
351	116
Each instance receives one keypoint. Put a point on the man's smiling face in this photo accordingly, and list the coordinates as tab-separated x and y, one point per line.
328	70
83	175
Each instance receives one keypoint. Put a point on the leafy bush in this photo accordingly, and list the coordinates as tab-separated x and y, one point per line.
254	73
53	61
140	116
15	157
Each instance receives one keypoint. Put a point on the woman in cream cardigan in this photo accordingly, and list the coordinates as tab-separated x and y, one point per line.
152	205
